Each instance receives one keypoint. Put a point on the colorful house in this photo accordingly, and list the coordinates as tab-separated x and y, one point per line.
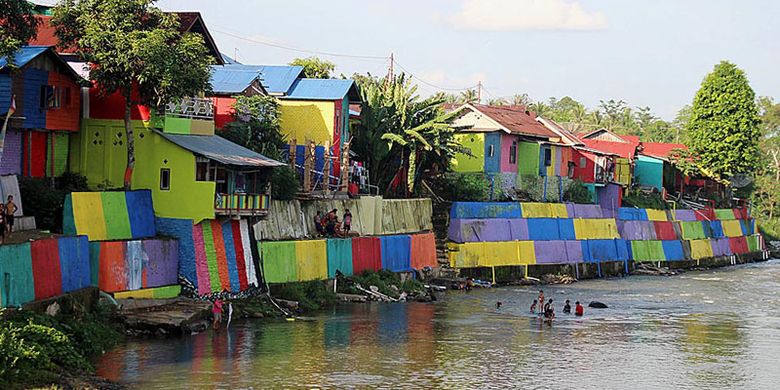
48	108
654	168
227	82
509	142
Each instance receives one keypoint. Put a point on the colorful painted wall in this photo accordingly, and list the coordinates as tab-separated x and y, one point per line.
213	255
43	269
371	215
134	265
109	215
298	261
101	156
470	164
495	234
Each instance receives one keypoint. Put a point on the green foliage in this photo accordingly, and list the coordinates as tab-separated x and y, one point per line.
36	348
456	186
401	134
766	197
45	202
383	280
310	296
256	125
314	68
576	192
284	183
643	200
724	126
17	26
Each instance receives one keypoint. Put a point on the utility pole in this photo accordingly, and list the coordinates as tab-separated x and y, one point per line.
479	92
391	68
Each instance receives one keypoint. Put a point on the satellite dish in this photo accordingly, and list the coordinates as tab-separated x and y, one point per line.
741	180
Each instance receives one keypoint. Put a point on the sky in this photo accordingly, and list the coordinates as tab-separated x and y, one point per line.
647	52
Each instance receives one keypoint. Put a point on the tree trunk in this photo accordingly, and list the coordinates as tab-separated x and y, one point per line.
130	144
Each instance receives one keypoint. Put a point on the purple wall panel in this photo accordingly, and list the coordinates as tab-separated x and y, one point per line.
636	230
584	211
11	162
721	247
519	229
574	252
685	215
163	266
550	252
453	230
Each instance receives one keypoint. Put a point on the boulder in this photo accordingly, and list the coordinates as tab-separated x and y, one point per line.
597	305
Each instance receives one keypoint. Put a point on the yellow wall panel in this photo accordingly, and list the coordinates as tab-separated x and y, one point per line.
311	260
595	229
527	252
701	249
88	215
732	228
656	215
558	210
500	253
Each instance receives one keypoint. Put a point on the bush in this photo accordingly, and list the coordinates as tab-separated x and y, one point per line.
642	200
462	187
576	192
284	183
309	295
45	201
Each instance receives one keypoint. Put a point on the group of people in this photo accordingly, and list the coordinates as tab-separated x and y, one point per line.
547	310
329	225
7	211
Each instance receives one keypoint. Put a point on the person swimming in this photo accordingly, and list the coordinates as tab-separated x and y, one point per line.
549	310
533	306
578	309
567	307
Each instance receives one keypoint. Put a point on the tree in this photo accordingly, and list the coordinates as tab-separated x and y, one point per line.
314	68
725	127
498	102
135	50
469	96
18	25
521	100
401	136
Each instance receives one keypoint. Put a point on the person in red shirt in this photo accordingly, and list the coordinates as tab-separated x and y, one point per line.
578	309
216	310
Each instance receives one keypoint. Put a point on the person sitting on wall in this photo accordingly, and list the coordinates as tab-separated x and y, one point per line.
318	223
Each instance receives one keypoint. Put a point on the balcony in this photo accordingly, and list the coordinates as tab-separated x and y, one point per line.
241	205
192	108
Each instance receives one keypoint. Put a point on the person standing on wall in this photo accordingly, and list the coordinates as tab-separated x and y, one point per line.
347	222
10	210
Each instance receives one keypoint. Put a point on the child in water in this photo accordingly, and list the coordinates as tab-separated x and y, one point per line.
578	309
567	307
533	306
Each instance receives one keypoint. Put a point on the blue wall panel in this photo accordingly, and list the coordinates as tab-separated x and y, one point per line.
140	213
396	253
478	210
632	214
673	250
33	80
565	229
543	229
493	164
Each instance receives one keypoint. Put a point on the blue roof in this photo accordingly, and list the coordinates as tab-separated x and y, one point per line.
322	89
277	79
24	55
232	80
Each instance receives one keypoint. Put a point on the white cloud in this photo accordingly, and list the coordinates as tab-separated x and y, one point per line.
523	15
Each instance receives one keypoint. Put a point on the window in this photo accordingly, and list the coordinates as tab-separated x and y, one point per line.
513	153
201	170
165	179
570	172
51	97
490	151
582	162
547	157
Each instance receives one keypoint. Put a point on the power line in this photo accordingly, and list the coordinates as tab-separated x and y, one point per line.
285	47
431	84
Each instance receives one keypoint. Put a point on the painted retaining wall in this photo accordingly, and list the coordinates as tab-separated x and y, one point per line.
105	216
300	261
43	269
133	265
294	220
213	255
499	234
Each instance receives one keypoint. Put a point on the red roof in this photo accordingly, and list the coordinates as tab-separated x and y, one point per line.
517	119
659	149
622	149
47	35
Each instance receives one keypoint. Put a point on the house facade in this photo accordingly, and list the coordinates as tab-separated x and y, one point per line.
47	94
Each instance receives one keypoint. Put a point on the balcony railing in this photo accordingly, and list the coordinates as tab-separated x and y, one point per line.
242	204
195	108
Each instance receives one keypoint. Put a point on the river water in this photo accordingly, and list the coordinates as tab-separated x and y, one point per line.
710	329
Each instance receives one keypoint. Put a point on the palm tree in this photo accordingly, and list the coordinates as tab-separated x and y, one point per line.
469	96
497	102
521	100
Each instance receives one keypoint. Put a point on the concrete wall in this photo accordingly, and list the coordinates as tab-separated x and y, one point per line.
109	215
290	220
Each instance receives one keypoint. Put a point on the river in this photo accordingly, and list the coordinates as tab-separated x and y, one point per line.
709	329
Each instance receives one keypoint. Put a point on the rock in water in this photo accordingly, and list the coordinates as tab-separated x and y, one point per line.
597	305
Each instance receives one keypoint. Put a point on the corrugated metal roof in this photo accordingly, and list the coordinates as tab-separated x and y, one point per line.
220	150
323	89
660	150
277	79
230	80
24	55
623	149
516	119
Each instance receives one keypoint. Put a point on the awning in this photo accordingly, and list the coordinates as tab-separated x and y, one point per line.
220	150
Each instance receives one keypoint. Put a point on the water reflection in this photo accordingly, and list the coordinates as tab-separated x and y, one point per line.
687	332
